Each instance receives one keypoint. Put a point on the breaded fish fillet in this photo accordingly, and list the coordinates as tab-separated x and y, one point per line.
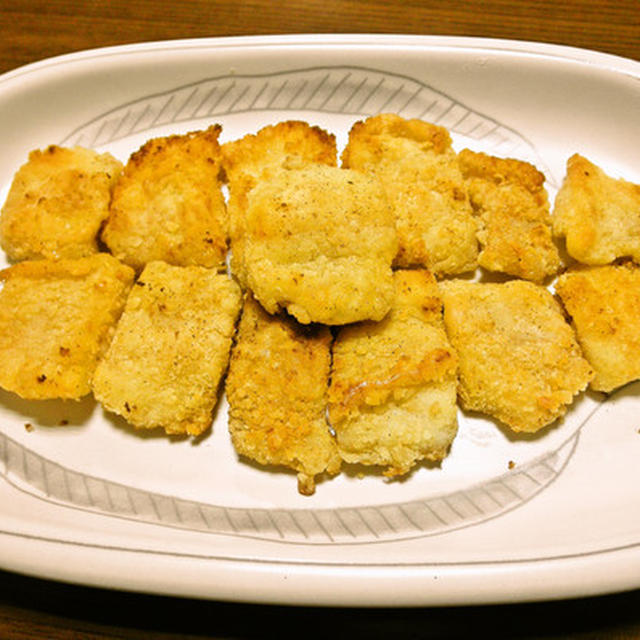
419	169
319	243
277	392
519	360
392	399
57	202
598	215
56	320
170	349
255	157
512	207
169	205
604	304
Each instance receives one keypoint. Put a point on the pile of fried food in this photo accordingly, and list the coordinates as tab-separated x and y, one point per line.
345	307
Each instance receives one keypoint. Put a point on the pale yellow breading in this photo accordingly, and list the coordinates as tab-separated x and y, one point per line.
418	167
604	304
392	399
598	215
276	388
255	157
319	243
57	318
168	204
57	203
170	349
519	360
512	207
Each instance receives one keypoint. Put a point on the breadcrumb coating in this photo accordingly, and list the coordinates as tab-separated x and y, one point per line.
57	203
519	360
319	243
419	170
604	305
256	157
277	392
598	215
168	205
392	399
57	318
512	207
170	350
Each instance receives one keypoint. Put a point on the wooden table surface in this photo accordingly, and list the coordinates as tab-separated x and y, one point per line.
35	29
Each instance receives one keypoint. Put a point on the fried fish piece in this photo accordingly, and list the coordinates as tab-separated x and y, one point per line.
604	304
168	205
57	202
512	207
319	243
392	399
519	360
254	157
170	349
57	318
598	215
277	393
419	170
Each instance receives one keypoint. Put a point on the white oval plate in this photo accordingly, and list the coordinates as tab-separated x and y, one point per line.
93	502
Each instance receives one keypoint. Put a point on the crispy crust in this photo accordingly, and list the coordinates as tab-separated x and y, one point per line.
519	360
510	201
276	388
56	320
170	349
392	399
256	157
604	304
168	204
598	215
418	168
57	203
319	243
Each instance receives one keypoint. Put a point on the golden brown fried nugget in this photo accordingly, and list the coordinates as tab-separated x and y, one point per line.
255	157
56	320
598	215
276	388
418	167
319	243
604	304
512	207
170	349
56	204
392	399
168	205
519	360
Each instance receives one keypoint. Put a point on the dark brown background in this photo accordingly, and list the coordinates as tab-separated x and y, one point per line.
32	30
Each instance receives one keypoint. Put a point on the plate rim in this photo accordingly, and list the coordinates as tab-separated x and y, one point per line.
609	61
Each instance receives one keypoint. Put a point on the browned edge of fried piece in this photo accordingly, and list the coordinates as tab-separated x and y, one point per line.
57	317
512	206
168	204
276	388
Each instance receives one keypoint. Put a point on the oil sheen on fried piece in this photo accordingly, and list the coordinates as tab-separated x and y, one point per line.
392	400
